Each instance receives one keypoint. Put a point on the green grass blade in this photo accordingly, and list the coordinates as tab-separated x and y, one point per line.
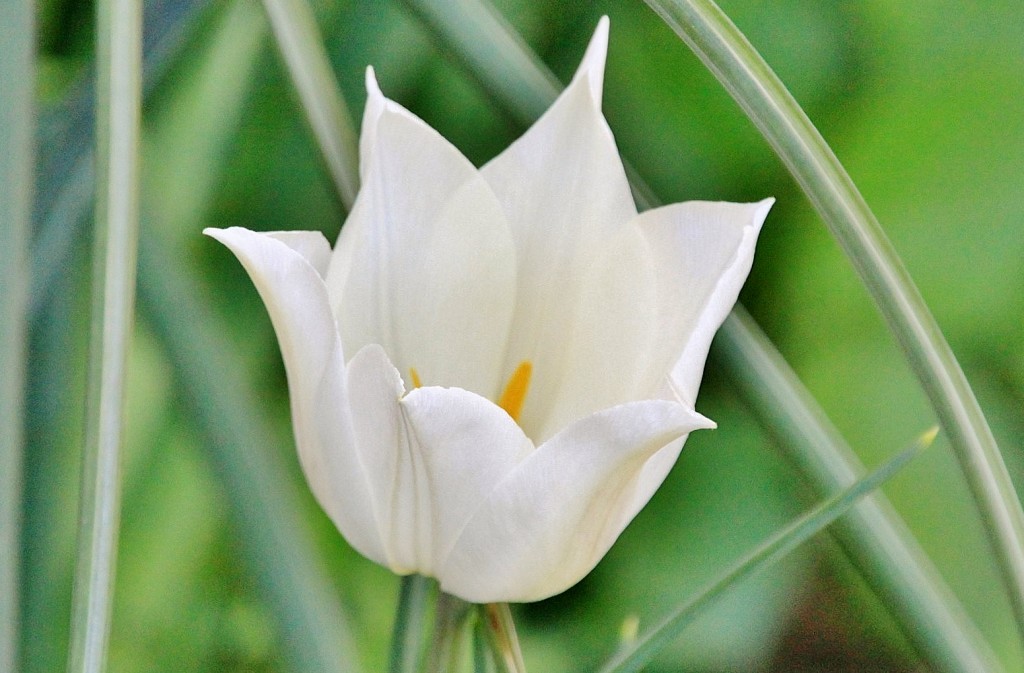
491	51
277	538
738	66
410	616
65	161
872	534
636	655
524	94
302	47
17	33
119	100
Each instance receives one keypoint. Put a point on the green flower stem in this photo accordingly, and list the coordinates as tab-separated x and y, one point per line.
502	637
956	646
119	100
299	40
634	657
742	71
410	616
450	614
892	562
17	33
482	661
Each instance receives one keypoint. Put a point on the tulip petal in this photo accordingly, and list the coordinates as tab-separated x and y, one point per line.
296	299
608	343
432	456
312	245
549	522
565	194
469	445
425	264
703	252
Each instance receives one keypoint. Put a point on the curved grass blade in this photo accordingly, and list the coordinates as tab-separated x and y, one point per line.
634	657
17	34
300	43
741	70
893	563
524	95
119	102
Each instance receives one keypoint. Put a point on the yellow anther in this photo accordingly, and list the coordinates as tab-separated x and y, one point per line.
514	395
416	383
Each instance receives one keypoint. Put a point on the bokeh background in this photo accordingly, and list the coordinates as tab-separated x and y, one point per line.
923	101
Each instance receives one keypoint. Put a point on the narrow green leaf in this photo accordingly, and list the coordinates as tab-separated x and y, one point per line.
302	47
65	161
634	657
316	635
275	539
17	33
491	51
119	101
872	534
752	83
271	525
956	646
410	619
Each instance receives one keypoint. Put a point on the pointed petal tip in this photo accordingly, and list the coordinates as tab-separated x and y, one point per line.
222	235
592	65
703	422
761	211
372	87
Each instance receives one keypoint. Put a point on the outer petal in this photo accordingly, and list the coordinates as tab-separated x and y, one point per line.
296	300
312	245
565	193
550	521
425	264
702	252
432	456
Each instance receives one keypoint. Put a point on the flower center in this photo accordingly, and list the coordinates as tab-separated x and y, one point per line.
512	397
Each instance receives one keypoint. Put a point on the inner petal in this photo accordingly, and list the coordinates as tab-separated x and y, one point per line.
425	265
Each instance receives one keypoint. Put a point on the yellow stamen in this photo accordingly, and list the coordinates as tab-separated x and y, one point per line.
514	395
416	383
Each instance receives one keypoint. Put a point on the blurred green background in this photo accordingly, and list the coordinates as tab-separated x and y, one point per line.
923	101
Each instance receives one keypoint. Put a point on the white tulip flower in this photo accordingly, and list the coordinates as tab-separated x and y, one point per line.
494	369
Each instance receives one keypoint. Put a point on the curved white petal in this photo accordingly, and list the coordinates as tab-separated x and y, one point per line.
703	252
296	299
469	445
432	456
605	348
312	245
549	522
565	194
425	264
